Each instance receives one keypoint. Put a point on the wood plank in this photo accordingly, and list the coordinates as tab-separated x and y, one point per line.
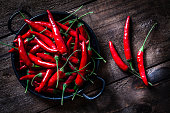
128	94
34	7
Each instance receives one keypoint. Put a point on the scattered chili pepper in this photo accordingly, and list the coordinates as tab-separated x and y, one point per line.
116	57
140	59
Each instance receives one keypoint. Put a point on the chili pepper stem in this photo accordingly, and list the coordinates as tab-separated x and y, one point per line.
64	87
99	55
26	89
137	75
38	75
75	92
57	59
8	45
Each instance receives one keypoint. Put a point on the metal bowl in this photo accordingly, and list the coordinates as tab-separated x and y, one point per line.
15	56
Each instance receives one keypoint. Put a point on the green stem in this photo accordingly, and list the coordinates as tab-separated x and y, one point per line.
141	49
38	75
75	94
26	89
81	68
77	71
57	59
71	14
8	45
94	66
68	59
84	15
71	26
62	97
99	55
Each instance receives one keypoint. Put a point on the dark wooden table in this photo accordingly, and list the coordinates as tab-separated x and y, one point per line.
123	93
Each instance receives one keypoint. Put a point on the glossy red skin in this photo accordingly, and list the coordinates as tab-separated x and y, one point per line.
76	43
69	45
27	34
22	53
44	39
126	40
71	31
39	28
45	24
35	49
23	67
83	32
45	80
12	50
30	77
40	62
46	57
89	54
141	67
70	79
45	47
116	57
84	60
56	34
53	80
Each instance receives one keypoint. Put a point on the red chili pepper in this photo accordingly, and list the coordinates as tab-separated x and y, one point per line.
44	24
39	28
12	50
27	34
84	59
126	40
72	59
76	43
69	45
45	47
71	31
35	49
56	34
46	57
24	67
40	62
140	59
60	86
116	57
36	71
44	39
30	77
83	32
45	80
23	53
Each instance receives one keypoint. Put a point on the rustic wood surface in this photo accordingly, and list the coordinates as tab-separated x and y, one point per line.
124	93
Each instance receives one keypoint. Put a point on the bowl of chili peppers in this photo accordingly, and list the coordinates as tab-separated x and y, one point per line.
53	55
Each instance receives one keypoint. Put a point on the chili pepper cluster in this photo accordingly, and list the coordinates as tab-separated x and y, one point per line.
123	66
55	56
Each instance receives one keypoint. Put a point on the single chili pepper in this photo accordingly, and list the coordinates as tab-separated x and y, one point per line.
30	77
12	50
71	31
70	79
140	59
44	39
79	80
24	67
36	71
23	53
40	62
35	49
39	28
76	43
27	34
56	34
45	47
46	57
69	45
16	40
116	57
44	24
45	80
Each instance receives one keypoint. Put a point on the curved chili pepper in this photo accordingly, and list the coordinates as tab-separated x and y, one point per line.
76	43
56	34
23	53
35	49
46	57
69	45
27	34
71	31
12	50
45	80
45	47
126	40
45	24
140	59
23	67
44	39
84	59
30	77
39	62
70	79
39	28
116	57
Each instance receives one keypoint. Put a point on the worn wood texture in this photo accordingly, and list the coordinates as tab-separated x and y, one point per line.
124	93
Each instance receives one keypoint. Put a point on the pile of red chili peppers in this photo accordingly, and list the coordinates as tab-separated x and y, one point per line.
127	51
55	56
